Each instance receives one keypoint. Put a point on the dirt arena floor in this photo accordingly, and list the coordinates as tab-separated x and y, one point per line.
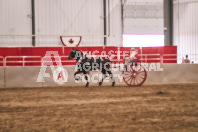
149	108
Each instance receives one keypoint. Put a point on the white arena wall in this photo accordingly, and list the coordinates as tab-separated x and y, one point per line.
17	77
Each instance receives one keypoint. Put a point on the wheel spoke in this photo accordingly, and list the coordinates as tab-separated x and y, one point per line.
128	79
141	76
134	75
127	75
136	81
140	79
137	77
139	72
131	80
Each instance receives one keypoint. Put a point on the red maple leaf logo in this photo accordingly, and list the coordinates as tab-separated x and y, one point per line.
71	41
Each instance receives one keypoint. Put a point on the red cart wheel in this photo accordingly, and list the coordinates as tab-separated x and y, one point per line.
134	75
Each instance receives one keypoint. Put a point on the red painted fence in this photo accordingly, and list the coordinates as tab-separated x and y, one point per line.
150	54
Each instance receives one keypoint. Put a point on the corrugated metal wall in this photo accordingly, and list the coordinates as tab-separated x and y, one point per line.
85	17
15	19
114	25
186	28
143	17
69	17
60	17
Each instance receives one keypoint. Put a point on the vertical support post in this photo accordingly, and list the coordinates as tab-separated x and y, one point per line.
33	22
118	54
105	22
42	69
141	52
122	15
23	61
168	22
109	18
4	65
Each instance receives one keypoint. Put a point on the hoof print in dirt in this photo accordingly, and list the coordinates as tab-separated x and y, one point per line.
160	92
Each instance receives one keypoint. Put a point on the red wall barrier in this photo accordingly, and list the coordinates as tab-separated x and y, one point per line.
111	51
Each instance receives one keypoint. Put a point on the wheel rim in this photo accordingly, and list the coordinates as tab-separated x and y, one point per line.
134	76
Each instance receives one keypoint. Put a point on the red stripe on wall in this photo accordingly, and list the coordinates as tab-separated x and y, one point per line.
65	51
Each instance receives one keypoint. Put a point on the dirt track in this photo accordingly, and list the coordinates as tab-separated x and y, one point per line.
172	107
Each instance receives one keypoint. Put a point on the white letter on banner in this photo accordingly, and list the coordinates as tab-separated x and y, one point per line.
59	75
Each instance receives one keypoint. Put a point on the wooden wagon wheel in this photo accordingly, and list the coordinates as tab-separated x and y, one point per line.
134	75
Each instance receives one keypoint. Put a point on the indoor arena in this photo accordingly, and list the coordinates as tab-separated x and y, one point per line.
99	65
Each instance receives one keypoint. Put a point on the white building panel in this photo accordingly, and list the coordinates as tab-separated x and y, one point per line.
69	18
186	28
54	18
115	23
143	26
15	19
77	18
143	17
